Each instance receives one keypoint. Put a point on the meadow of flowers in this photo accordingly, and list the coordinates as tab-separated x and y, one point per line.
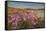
24	19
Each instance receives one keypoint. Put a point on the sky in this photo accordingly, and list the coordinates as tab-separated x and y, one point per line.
25	5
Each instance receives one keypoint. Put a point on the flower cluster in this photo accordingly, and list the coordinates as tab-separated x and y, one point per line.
30	16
